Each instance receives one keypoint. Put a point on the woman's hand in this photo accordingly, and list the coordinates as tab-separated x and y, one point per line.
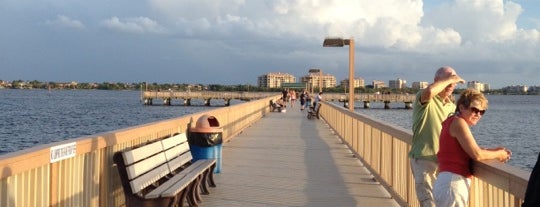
503	153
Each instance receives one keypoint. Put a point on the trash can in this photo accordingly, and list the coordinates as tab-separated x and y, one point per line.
205	140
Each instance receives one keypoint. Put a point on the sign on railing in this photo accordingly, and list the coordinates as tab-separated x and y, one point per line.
62	152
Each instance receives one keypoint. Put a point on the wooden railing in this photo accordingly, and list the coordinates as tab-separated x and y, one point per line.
370	97
89	177
384	148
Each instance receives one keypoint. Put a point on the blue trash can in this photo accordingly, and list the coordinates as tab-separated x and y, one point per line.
205	140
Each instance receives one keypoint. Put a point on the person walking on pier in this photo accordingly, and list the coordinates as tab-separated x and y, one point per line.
307	96
293	98
431	106
458	149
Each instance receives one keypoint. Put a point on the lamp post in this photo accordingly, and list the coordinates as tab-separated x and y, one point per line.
340	42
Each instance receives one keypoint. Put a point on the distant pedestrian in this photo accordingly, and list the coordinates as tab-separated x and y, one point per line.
285	94
293	97
302	100
308	100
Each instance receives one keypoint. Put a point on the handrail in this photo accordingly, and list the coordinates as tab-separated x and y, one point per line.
89	178
384	147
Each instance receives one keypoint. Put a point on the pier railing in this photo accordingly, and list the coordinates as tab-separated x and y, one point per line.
80	172
384	148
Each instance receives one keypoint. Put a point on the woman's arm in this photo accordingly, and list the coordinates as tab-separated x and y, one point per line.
460	129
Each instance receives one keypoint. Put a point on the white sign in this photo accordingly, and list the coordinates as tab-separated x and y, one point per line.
62	152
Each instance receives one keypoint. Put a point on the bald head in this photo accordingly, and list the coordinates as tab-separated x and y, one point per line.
444	72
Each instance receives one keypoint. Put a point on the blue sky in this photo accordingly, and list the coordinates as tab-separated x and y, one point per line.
235	41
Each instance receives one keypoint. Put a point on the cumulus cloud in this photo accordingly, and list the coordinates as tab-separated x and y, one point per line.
138	25
390	35
65	22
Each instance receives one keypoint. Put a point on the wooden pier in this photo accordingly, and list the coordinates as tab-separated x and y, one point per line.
269	159
166	97
148	97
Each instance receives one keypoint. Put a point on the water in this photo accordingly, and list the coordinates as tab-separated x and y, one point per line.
510	121
33	117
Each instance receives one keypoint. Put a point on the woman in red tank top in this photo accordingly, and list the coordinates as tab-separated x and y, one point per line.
458	149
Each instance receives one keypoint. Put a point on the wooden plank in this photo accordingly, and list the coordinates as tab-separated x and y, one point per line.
193	171
174	140
179	161
177	151
149	178
145	165
179	181
140	153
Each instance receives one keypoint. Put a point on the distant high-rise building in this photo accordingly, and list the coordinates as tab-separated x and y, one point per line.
313	79
274	80
358	82
378	84
478	85
397	84
420	84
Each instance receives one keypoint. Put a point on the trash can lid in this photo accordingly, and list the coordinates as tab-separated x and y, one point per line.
207	124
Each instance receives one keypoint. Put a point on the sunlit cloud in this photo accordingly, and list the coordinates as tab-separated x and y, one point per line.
65	22
138	25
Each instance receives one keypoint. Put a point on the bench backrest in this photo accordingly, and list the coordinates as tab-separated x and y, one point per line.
176	151
147	164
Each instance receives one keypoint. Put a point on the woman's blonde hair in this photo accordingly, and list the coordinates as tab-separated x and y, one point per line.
470	95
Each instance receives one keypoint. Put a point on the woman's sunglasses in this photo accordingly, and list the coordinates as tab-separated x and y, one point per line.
477	111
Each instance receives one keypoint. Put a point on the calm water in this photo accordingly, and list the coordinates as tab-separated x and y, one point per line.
33	117
510	121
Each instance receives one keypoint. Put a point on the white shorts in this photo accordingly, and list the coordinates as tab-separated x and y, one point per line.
451	189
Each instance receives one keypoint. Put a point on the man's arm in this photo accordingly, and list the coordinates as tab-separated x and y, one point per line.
438	86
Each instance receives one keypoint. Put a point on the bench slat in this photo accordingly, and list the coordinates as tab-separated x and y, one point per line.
193	171
174	140
179	161
145	165
180	181
177	151
149	178
140	153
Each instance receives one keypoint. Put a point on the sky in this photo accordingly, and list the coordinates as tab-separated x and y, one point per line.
233	42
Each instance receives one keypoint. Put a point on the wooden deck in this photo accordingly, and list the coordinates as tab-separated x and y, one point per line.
287	160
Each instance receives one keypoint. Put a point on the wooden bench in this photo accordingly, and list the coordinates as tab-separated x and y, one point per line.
162	173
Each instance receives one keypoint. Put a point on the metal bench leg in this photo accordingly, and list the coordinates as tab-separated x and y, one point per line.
211	181
197	189
192	201
182	197
204	183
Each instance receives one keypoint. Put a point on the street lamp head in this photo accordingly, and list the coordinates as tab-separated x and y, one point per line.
335	42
